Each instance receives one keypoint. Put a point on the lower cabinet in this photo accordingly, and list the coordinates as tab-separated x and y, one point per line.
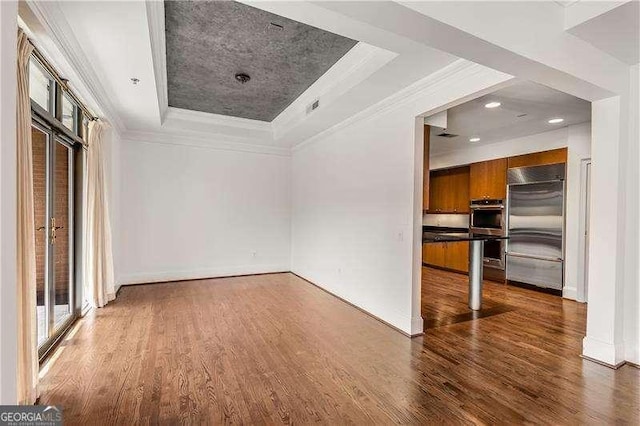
453	256
433	254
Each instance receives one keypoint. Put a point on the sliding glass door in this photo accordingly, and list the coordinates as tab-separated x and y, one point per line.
53	178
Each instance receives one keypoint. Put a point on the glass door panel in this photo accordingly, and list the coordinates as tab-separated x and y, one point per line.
53	194
40	151
61	225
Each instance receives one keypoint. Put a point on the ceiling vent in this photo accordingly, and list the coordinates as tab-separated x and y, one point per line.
313	106
447	135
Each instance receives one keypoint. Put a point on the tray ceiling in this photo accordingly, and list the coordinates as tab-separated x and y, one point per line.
208	43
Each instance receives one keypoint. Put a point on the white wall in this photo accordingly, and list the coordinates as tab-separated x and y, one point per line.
632	292
353	199
577	139
8	293
189	212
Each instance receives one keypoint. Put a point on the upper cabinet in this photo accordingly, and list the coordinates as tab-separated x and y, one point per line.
449	191
488	180
553	156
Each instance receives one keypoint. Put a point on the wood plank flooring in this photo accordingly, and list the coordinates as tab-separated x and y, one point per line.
275	349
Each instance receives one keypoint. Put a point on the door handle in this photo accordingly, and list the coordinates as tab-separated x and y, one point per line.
54	228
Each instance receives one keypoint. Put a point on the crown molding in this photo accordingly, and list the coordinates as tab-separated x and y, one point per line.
59	31
457	71
155	21
203	140
353	68
180	114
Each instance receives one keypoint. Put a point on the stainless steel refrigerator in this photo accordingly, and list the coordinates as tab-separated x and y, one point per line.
535	208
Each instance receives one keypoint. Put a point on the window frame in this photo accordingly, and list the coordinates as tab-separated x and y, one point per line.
76	140
52	84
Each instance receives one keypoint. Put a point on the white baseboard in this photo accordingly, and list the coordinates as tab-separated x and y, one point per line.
417	326
570	293
606	353
195	274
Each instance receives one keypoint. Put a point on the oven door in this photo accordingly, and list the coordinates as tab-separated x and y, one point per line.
494	254
487	220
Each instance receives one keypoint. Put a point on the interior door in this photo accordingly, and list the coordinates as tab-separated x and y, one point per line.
53	160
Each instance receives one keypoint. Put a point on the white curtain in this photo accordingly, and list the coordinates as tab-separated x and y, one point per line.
99	281
27	333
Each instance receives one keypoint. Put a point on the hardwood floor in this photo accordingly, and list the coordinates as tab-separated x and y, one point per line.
275	349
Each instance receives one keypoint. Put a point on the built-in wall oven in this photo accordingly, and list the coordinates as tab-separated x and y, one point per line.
488	217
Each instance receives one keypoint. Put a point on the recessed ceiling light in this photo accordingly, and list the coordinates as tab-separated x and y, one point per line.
474	140
556	120
493	105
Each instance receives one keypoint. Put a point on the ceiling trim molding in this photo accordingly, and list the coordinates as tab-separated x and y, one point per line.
459	70
203	140
155	20
216	119
353	68
53	21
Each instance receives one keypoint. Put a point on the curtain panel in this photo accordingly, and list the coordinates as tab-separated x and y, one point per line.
99	279
27	333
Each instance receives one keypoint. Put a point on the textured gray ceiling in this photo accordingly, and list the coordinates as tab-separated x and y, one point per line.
208	42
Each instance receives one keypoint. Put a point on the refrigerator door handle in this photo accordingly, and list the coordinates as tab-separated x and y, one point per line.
528	256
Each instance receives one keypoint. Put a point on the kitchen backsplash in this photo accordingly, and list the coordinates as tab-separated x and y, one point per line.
446	220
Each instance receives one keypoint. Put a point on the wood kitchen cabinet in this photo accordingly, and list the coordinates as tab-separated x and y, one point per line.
452	256
488	179
456	256
433	254
449	190
553	156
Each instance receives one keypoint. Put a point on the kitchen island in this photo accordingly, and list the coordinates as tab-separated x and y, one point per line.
476	254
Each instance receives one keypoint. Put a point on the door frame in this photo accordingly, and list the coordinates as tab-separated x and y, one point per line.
57	133
583	231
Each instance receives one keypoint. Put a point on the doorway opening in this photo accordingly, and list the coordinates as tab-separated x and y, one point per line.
505	163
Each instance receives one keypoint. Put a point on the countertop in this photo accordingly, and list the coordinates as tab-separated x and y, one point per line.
444	237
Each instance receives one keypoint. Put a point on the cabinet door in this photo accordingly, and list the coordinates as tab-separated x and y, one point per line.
553	156
433	254
458	182
437	192
449	191
457	256
488	179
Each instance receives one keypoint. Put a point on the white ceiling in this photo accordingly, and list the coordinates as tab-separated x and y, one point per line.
538	104
115	39
566	3
616	32
111	42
